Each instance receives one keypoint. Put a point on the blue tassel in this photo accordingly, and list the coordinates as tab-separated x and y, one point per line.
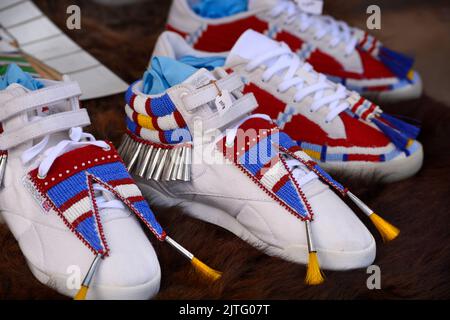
398	139
410	130
398	63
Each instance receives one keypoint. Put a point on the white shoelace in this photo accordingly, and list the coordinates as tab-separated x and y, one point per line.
78	138
300	173
324	25
285	60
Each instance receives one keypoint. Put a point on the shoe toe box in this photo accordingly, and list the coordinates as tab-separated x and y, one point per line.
340	238
131	271
58	259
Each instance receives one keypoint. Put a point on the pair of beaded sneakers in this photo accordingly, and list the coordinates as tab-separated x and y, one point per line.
197	139
194	141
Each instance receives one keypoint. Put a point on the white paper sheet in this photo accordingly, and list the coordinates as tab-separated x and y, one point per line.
42	39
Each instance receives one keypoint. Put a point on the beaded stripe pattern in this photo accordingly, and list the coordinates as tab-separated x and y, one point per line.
287	145
375	124
398	66
155	118
260	159
157	145
68	190
401	133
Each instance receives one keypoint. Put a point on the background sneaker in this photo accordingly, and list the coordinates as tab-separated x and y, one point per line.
246	175
344	132
345	54
67	198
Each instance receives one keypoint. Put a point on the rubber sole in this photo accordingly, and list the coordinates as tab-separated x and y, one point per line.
410	92
385	172
100	292
329	260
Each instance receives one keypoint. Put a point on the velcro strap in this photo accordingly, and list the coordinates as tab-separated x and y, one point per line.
48	125
240	108
39	98
209	92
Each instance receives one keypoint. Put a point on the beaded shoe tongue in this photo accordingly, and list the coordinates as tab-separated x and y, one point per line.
256	151
259	150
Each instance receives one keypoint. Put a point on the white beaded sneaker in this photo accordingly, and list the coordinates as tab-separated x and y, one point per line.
69	200
344	132
191	143
346	54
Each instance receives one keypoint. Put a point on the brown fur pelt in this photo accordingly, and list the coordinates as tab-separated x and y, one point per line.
414	266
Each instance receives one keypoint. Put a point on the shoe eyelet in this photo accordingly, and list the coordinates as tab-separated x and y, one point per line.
108	148
41	177
311	111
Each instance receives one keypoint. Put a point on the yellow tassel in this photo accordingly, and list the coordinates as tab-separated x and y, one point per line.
82	293
388	231
410	74
410	143
207	272
314	275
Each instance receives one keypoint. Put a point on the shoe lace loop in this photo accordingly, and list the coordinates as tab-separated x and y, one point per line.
339	31
284	60
78	138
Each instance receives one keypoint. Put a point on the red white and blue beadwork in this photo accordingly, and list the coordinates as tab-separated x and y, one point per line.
367	129
372	68
68	190
158	143
261	175
338	128
261	158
